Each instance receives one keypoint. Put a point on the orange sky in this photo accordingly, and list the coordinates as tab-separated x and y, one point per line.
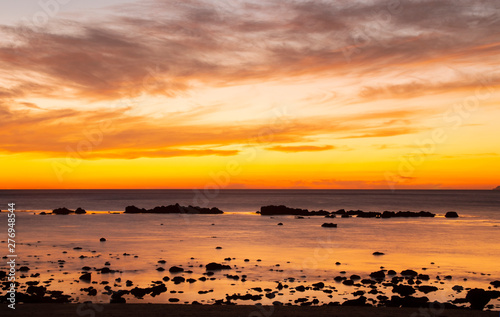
250	94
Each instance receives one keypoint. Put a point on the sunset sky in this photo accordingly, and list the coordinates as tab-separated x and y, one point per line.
250	94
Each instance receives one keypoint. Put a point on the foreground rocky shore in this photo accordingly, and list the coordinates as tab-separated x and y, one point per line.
157	310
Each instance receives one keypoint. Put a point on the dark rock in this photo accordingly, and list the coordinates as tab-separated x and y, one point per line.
403	290
409	273
426	289
24	269
361	301
348	282
319	285
3	274
355	277
102	239
62	211
495	284
280	224
80	211
86	277
457	288
283	210
216	266
329	225
378	253
174	209
178	279
451	214
176	269
378	275
478	298
423	277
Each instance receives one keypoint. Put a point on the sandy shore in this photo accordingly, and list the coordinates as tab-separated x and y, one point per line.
151	310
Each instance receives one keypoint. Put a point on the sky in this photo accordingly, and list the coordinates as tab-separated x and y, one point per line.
249	94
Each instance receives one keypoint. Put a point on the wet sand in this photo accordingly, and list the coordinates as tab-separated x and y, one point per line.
151	310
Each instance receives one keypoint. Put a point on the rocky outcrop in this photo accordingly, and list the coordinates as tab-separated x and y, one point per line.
451	214
173	209
66	211
272	210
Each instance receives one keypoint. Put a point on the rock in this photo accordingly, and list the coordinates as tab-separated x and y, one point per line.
378	253
355	277
283	210
457	288
160	269
86	277
423	277
24	269
62	211
176	269
174	209
319	285
495	284
478	298
173	300
361	301
329	225
218	248
409	273
102	239
451	214
403	290
280	224
80	211
216	266
178	279
426	289
3	274
300	288
378	275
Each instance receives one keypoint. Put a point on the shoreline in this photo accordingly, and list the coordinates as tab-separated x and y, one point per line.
126	310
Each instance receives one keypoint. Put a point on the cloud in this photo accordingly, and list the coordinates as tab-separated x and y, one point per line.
223	43
300	148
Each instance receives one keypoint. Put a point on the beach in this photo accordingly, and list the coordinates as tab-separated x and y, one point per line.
130	310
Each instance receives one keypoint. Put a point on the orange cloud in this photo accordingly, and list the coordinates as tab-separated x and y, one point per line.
300	148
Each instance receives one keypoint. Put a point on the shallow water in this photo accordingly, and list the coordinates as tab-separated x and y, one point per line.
467	247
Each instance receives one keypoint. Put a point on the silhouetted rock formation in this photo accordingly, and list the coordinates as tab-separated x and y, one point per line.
329	225
173	209
284	210
496	188
451	214
478	298
216	266
66	211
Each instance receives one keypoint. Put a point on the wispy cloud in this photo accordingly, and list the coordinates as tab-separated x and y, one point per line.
300	148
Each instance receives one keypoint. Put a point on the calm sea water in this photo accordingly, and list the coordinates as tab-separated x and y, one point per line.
474	202
465	248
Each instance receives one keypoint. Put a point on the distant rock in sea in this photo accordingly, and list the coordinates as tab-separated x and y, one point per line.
173	209
497	188
66	211
451	214
284	210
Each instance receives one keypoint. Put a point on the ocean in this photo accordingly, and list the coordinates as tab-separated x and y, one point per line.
453	252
